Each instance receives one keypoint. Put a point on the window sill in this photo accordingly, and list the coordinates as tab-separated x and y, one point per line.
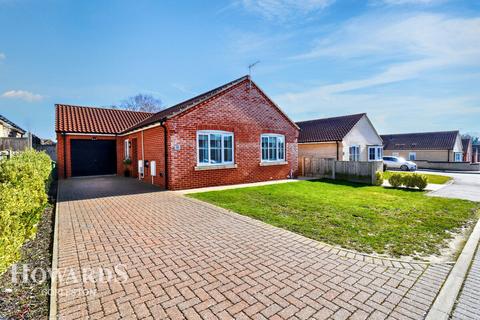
215	167
273	163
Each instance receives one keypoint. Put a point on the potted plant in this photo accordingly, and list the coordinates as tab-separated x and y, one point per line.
127	163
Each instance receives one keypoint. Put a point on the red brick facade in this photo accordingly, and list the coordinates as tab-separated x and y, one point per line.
243	110
153	142
62	153
247	113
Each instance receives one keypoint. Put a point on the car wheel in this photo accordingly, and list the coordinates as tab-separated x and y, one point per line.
403	167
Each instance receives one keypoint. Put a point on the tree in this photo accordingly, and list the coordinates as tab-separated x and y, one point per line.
142	102
473	136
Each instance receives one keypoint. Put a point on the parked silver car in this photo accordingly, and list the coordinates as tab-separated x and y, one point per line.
399	163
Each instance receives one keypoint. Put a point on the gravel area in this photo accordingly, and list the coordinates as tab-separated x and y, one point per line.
30	300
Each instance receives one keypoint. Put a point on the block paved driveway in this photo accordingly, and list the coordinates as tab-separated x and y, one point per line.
187	259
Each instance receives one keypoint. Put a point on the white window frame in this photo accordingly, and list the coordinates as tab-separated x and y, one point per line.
410	154
126	149
357	158
223	134
460	158
378	153
275	135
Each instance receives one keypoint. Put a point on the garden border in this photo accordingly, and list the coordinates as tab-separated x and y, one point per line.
53	283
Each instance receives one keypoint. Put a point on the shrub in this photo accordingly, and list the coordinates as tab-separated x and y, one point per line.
420	180
395	180
23	196
408	181
378	178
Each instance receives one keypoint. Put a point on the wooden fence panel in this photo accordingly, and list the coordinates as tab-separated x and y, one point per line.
15	144
355	171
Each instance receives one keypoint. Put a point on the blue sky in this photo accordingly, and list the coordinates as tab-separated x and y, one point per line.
412	65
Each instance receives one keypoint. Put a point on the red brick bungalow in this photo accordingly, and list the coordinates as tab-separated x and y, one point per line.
231	134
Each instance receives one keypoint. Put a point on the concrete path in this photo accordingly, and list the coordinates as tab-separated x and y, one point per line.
465	186
468	301
174	257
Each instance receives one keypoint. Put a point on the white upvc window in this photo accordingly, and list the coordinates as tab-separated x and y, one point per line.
214	147
458	156
375	153
354	153
272	147
126	149
412	156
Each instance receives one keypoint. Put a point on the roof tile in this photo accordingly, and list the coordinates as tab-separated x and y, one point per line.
328	129
444	140
78	119
187	104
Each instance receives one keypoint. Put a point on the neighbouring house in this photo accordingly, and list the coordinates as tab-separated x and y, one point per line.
12	137
231	134
346	138
475	153
8	129
467	149
46	145
443	146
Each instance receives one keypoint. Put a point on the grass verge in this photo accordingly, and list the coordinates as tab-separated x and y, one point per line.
354	216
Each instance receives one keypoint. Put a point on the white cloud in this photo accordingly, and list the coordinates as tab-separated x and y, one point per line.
281	9
418	43
413	2
23	95
2	56
419	35
402	47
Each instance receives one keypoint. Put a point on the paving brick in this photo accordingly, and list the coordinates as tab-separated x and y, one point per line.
187	259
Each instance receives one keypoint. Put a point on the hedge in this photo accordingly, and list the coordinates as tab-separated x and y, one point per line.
408	180
24	180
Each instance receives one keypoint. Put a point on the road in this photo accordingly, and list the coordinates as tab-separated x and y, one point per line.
465	186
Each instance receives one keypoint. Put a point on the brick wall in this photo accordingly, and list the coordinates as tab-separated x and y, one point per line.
60	151
247	113
153	142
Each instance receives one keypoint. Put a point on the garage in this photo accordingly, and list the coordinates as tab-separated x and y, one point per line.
93	157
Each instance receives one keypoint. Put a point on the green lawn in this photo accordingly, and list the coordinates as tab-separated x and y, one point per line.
364	218
432	178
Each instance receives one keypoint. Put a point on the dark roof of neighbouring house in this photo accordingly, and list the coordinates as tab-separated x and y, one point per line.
465	143
10	123
185	105
328	129
444	140
79	119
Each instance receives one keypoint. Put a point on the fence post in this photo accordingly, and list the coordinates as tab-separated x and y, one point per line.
303	166
333	168
373	172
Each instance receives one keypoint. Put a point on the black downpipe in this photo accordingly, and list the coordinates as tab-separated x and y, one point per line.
337	151
64	155
166	153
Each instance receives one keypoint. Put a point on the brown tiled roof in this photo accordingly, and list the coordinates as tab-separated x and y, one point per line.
77	119
185	105
444	140
466	143
328	129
